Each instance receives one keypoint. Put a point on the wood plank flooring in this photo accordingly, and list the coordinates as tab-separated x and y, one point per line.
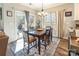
62	49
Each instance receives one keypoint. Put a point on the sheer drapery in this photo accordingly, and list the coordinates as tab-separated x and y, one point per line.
61	24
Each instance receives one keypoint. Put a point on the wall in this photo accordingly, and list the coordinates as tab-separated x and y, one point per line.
9	22
68	21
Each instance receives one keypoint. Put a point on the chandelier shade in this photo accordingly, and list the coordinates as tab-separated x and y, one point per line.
42	12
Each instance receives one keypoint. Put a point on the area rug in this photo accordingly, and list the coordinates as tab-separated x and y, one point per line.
50	50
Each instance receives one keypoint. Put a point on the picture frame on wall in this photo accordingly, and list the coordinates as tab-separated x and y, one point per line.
9	13
68	13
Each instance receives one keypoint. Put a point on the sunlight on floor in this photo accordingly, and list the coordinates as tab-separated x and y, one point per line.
19	43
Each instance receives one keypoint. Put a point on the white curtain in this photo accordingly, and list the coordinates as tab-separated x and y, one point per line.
61	24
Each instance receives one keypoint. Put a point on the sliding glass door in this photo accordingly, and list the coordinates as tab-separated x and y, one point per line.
21	23
20	26
55	24
51	20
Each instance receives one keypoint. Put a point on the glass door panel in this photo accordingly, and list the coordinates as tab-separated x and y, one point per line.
51	20
21	25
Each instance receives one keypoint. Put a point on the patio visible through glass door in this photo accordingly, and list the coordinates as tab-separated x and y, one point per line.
51	20
20	26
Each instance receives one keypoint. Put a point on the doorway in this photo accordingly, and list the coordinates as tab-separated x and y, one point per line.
51	20
56	21
20	25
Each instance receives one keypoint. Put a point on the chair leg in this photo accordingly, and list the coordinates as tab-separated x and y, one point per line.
45	45
36	43
48	41
28	49
51	37
69	53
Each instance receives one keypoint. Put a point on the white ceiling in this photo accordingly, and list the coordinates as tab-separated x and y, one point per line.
38	6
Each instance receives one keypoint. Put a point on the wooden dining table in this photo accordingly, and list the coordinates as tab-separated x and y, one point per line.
37	33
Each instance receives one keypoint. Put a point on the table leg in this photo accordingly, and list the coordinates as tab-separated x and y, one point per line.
28	49
69	54
39	45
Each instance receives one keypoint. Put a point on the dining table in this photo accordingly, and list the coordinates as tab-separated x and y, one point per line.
37	33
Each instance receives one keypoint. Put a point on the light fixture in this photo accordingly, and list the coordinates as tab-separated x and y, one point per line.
30	3
42	12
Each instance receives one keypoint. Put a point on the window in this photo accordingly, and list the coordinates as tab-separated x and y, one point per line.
48	20
21	20
51	20
31	22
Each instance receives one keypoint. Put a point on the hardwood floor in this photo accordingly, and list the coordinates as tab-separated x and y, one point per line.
62	49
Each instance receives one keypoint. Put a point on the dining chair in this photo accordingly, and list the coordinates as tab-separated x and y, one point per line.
32	42
51	31
46	38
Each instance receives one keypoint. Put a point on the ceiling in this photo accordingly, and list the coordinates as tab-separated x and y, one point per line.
38	6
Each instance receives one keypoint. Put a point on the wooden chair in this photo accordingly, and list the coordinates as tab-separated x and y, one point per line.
51	30
46	38
32	42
